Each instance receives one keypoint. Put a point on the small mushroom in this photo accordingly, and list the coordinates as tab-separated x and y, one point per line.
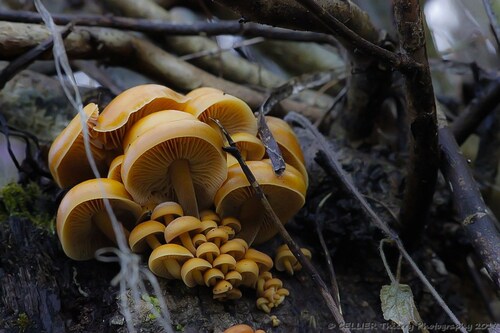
240	328
68	162
225	263
221	287
209	214
206	226
145	235
166	212
83	223
115	169
234	277
236	197
208	251
166	260
212	277
264	261
231	222
235	249
199	239
184	163
249	272
286	261
218	236
192	271
180	228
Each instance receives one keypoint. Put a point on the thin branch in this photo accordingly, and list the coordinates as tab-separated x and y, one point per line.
332	166
495	29
292	245
476	111
154	26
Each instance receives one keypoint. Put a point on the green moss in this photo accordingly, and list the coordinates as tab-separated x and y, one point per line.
153	304
23	322
179	328
25	202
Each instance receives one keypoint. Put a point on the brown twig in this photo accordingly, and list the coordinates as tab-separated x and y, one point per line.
230	27
309	268
23	61
423	164
475	216
476	111
327	159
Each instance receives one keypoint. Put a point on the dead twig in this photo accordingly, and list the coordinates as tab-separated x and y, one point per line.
23	61
495	29
330	163
309	268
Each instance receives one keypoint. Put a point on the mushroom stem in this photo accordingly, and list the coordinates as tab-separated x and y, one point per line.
187	242
288	267
173	268
198	277
180	176
103	222
153	242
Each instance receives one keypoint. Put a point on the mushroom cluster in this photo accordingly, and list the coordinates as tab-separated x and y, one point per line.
171	187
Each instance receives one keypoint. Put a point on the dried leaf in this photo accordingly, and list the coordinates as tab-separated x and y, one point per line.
398	305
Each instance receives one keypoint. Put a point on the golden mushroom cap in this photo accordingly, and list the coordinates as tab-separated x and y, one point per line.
212	276
249	271
67	158
225	263
203	91
167	211
234	277
82	217
209	214
234	114
250	147
217	235
234	249
222	287
288	144
115	168
199	239
130	106
165	261
206	226
191	267
151	121
232	222
240	328
286	194
208	251
137	238
285	260
262	260
145	169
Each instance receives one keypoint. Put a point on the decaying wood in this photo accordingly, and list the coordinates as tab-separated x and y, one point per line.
125	49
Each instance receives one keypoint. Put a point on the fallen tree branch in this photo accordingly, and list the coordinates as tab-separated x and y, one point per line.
122	48
423	163
327	159
472	212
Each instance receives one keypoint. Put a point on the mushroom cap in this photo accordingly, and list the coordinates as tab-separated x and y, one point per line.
249	272
181	225
252	147
190	266
131	105
145	167
203	91
222	287
217	233
199	239
208	214
67	159
137	238
284	254
115	168
234	114
207	248
165	210
240	328
148	122
224	260
262	260
212	276
207	225
79	235
159	255
234	277
234	249
288	143
232	222
286	194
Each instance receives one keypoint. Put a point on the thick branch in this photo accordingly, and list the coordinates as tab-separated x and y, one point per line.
120	47
423	163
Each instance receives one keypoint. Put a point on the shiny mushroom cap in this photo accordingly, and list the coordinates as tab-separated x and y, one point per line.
234	114
115	169
181	228
189	152
145	236
203	91
286	194
192	271
250	147
208	251
83	224
67	159
240	328
166	212
262	260
249	272
130	106
166	260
